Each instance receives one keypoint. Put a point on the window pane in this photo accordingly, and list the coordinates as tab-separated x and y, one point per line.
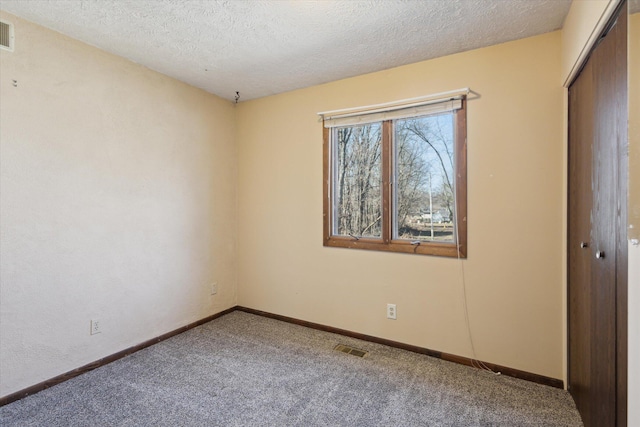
424	158
357	181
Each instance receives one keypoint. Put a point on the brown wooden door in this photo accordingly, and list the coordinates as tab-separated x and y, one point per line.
579	238
596	226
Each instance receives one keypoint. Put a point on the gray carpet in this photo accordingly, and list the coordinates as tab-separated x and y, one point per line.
245	370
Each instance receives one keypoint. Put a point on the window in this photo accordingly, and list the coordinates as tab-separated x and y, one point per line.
395	177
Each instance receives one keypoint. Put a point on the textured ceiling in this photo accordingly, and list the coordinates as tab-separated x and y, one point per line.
262	48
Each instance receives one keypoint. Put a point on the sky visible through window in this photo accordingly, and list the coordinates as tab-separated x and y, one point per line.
423	179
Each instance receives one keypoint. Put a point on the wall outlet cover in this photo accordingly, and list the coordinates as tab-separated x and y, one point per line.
391	311
95	326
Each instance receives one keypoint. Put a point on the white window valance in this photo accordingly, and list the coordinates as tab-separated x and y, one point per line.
414	107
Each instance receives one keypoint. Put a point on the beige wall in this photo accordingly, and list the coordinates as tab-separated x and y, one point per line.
514	270
118	202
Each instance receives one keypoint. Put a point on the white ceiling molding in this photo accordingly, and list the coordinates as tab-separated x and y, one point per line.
260	48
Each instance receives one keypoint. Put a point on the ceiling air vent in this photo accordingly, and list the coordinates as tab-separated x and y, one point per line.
6	36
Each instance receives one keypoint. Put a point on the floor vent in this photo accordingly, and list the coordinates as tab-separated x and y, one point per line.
6	36
350	350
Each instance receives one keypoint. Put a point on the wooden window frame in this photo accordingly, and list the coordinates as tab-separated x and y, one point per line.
386	242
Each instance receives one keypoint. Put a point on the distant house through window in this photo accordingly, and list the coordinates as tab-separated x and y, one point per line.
395	178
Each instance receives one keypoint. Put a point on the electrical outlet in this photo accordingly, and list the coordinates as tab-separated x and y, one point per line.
391	311
214	288
96	326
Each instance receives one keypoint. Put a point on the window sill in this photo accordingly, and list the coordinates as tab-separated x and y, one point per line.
400	246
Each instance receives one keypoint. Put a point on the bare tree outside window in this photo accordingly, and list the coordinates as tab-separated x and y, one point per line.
424	163
395	180
358	195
